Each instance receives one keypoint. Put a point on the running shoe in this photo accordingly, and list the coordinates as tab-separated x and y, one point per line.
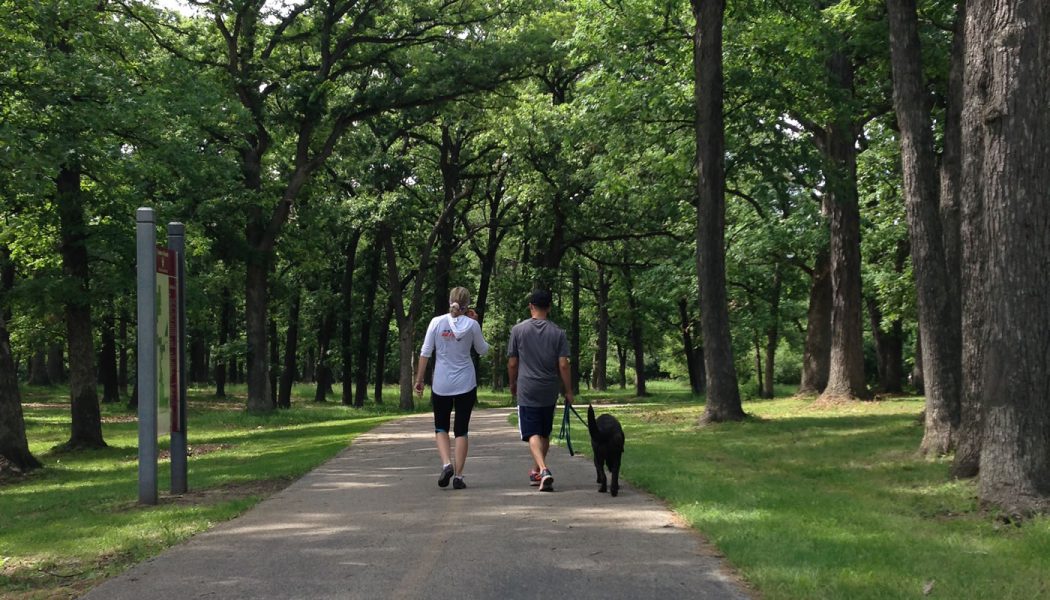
546	481
446	474
458	483
534	477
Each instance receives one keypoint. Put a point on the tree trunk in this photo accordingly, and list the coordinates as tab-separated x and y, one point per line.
939	325
291	347
221	366
275	358
574	342
772	333
86	430
38	369
381	349
325	355
107	364
364	340
13	443
817	353
621	355
889	350
346	317
685	328
122	363
723	395
56	364
916	379
256	300
599	369
1008	85
198	358
846	367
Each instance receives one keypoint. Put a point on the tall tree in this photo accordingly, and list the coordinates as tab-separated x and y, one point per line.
1008	85
13	443
939	331
723	395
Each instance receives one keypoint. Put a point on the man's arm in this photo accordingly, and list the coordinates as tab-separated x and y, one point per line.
566	379
512	375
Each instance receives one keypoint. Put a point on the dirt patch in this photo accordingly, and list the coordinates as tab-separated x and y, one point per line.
230	491
196	450
120	419
50	405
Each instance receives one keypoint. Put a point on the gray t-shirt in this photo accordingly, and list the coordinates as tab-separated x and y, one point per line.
538	344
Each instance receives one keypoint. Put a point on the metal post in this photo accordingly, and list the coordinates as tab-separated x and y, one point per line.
177	242
146	367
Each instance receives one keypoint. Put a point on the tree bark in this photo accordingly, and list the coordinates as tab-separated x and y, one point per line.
723	394
38	369
817	354
772	333
291	347
221	366
107	364
56	363
574	342
346	317
364	340
637	340
275	358
122	363
685	328
971	279
599	369
86	429
846	363
1008	85
381	349
621	355
940	329
889	349
256	300
325	356
13	443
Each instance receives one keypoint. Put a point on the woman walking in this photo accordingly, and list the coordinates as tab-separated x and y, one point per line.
455	385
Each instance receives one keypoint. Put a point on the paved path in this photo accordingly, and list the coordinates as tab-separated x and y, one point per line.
372	523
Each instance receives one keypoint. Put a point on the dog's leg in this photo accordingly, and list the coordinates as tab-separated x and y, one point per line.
599	466
614	469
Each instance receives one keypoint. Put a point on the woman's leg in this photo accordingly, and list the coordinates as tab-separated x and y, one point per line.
464	406
442	419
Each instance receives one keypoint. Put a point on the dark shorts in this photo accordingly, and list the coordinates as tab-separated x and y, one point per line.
443	405
535	420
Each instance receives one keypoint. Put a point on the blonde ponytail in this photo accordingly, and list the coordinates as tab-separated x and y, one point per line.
458	301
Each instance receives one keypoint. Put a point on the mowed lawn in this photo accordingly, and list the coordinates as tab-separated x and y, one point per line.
803	502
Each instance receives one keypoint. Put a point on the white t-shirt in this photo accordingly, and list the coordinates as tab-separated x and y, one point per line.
453	339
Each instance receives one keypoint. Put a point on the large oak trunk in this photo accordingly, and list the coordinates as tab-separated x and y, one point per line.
83	383
291	347
723	395
13	443
1008	85
939	326
255	308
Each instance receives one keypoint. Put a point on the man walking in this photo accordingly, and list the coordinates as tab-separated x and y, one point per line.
537	369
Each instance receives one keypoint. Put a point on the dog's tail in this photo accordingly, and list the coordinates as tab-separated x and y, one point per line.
592	423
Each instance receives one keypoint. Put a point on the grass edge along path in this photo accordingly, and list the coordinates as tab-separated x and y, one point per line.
67	527
832	503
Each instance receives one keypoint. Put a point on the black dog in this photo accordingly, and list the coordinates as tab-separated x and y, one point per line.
607	444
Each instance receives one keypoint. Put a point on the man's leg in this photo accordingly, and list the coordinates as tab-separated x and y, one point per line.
538	447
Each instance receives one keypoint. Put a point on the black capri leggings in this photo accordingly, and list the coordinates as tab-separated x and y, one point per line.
443	405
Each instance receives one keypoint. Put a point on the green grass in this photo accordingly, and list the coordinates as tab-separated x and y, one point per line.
78	519
803	502
831	503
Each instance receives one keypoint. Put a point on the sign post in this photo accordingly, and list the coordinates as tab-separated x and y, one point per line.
146	260
177	246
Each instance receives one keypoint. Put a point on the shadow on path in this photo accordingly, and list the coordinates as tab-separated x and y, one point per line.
372	523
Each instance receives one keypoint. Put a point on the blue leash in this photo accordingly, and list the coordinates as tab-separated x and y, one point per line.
564	434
